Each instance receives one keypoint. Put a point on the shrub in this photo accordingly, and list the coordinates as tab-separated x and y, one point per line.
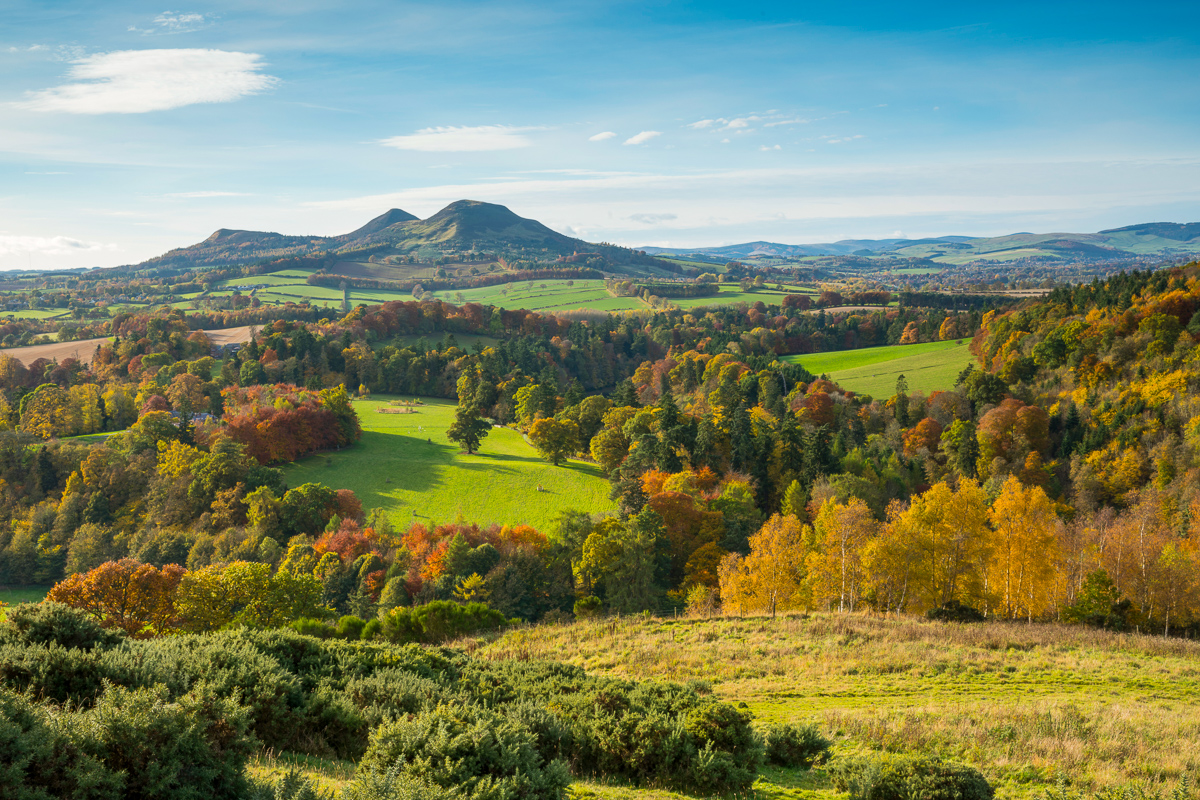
590	606
893	777
469	751
350	627
308	626
954	611
439	621
195	747
372	630
38	762
292	786
53	673
55	623
796	746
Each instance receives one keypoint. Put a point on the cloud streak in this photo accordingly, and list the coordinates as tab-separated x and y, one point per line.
462	139
208	194
140	81
643	137
48	245
600	137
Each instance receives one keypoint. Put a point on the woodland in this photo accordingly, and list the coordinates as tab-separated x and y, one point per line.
197	598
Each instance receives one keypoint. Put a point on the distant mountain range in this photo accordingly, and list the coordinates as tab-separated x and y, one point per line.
1149	239
472	227
462	226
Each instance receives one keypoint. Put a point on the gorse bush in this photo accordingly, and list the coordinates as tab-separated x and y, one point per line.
176	716
55	623
439	621
796	746
133	745
474	752
894	777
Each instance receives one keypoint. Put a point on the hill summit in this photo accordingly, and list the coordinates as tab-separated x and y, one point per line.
469	229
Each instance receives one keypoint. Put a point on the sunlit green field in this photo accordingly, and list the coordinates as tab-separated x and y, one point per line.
927	367
556	296
406	465
11	596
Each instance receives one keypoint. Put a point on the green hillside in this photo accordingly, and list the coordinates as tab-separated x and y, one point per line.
927	367
406	465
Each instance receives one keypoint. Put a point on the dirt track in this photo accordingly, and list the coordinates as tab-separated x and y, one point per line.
84	349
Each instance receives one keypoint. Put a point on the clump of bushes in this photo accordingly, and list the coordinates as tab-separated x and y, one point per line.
895	777
175	716
796	745
133	744
467	750
954	611
439	621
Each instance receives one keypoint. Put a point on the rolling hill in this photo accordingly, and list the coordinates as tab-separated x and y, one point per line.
1148	239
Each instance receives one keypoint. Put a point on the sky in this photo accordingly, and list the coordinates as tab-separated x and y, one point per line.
128	129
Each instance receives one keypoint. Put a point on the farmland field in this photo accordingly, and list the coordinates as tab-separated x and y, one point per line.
873	370
557	296
405	465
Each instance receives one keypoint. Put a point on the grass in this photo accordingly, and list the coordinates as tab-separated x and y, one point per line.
1023	703
557	296
11	596
405	465
927	367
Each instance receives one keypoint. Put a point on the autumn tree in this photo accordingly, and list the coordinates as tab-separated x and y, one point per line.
554	439
934	551
770	578
134	597
1021	567
46	411
835	568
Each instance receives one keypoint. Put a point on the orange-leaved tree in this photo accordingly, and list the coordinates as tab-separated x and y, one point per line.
125	594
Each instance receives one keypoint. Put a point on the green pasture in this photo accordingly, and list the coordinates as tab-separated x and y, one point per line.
12	595
927	367
405	465
556	296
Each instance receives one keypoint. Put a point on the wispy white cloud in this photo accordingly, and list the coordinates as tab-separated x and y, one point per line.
704	123
778	122
600	137
765	148
174	22
841	139
48	245
643	137
208	194
461	139
47	173
652	219
138	81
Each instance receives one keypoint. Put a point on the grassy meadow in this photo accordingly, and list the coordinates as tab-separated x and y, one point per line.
927	367
556	296
12	595
1026	704
405	465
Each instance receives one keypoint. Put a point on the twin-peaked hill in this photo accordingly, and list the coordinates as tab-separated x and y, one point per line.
465	226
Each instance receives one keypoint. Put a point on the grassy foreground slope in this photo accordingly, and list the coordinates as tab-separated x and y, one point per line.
1025	704
927	367
405	464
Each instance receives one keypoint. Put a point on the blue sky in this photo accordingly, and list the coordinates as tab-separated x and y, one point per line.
127	129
